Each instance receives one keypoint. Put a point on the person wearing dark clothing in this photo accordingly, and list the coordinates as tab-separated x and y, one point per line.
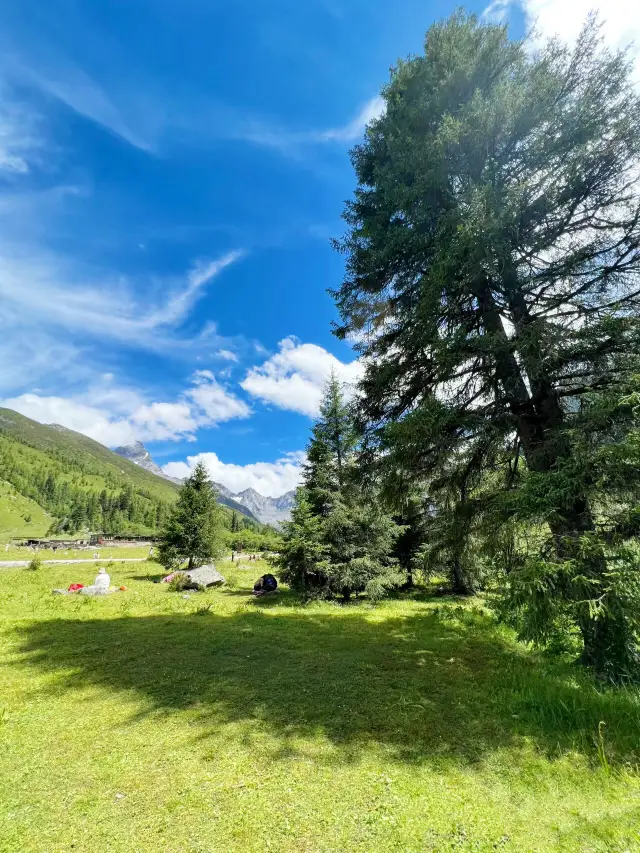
264	585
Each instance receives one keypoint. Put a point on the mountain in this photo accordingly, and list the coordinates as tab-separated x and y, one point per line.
250	503
139	455
267	510
54	480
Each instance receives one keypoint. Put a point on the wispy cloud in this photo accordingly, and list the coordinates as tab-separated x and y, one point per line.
19	138
151	121
293	143
58	78
76	299
497	12
181	301
354	129
115	415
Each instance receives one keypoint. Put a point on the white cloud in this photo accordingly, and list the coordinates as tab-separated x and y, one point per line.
227	355
214	401
75	415
62	295
294	377
353	130
620	18
269	478
115	415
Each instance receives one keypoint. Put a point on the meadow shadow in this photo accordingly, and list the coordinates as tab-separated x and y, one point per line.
439	685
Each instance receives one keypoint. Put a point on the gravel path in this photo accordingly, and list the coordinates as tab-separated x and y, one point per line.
15	564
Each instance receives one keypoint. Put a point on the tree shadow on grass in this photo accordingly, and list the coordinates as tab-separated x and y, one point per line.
443	685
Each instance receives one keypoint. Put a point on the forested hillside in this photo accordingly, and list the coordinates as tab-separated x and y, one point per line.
59	481
79	482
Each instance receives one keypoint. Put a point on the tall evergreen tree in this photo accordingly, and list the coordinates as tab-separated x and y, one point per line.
303	553
192	531
330	451
493	276
340	540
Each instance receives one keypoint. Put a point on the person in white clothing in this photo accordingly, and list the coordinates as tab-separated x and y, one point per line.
100	586
102	580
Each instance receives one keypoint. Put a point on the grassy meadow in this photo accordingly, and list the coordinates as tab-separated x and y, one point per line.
149	721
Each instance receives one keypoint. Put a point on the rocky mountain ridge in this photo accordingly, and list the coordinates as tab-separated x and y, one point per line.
138	453
266	510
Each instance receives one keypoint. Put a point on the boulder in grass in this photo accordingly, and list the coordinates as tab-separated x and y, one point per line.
205	576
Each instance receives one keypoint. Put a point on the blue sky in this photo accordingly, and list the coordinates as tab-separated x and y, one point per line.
170	177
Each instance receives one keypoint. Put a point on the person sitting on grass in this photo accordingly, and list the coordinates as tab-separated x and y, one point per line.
265	585
101	584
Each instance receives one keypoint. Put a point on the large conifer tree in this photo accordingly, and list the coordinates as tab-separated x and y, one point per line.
493	277
340	539
192	531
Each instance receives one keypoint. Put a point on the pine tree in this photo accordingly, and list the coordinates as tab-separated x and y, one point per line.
493	271
330	451
413	512
78	515
302	557
349	537
193	529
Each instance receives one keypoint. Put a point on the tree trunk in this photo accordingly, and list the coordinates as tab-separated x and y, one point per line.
190	564
459	583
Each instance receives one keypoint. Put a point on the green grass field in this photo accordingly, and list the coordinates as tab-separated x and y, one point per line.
152	722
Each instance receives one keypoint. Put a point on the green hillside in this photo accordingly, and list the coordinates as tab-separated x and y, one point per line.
76	481
77	449
54	480
21	516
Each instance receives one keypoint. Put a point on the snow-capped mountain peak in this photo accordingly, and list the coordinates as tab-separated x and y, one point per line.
269	510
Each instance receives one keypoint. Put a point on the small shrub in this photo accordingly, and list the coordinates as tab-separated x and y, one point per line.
178	582
35	564
182	581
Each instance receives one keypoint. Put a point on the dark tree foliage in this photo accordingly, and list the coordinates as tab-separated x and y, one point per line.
493	282
340	540
193	529
303	553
